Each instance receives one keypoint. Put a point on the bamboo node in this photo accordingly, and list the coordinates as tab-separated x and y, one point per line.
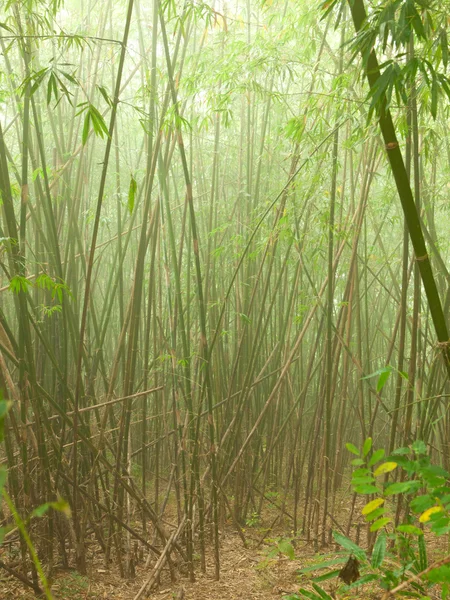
420	258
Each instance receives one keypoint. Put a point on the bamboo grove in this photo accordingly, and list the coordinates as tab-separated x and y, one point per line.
204	260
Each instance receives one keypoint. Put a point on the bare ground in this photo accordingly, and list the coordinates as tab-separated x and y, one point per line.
245	573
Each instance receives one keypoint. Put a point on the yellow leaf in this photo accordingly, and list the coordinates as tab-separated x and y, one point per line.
424	517
385	468
370	506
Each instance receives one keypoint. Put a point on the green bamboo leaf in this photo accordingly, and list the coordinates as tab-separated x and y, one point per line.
322	565
378	372
382	379
5	26
362	581
245	318
379	551
37	79
104	93
423	558
40	511
87	120
326	576
444	46
347	544
19	284
434	97
96	125
309	594
49	88
132	194
70	77
327	7
98	122
322	593
64	89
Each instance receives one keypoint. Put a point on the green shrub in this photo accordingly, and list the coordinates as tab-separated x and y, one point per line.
407	564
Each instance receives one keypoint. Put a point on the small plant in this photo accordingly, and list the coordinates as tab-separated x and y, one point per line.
253	520
278	547
73	585
272	495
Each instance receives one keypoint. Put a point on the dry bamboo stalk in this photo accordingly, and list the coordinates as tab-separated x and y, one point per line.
417	577
102	404
161	560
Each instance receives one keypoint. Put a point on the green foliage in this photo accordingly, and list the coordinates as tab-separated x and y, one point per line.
60	505
253	519
56	288
278	547
6	242
132	194
18	284
173	121
318	594
350	546
57	82
92	117
391	27
379	551
74	586
294	128
48	311
431	507
383	375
